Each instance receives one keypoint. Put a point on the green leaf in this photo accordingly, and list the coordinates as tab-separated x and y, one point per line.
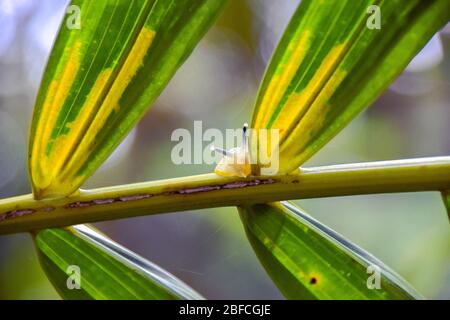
329	65
106	269
100	79
446	199
307	260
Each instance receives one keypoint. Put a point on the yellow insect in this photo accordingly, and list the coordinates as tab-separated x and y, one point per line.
236	161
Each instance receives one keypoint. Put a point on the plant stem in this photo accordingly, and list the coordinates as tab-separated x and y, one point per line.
24	213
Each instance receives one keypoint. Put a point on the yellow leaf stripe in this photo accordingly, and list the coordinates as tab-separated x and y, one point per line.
71	149
55	98
297	105
281	80
305	112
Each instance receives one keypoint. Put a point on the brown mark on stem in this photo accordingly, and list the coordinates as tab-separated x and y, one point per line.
84	204
16	213
136	197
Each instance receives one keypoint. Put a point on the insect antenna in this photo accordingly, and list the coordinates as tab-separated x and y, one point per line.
244	137
221	151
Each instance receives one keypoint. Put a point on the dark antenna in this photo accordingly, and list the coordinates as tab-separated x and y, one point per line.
244	137
221	151
244	143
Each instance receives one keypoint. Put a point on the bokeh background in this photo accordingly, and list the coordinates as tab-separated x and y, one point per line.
218	83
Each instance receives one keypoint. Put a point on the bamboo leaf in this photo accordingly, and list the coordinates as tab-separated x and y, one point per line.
307	260
100	79
329	65
106	269
446	199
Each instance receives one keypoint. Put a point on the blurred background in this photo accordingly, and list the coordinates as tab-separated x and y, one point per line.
218	83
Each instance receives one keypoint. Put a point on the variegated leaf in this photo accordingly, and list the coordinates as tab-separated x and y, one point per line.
100	80
333	60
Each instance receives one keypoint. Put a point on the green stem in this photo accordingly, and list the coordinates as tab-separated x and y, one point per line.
24	213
